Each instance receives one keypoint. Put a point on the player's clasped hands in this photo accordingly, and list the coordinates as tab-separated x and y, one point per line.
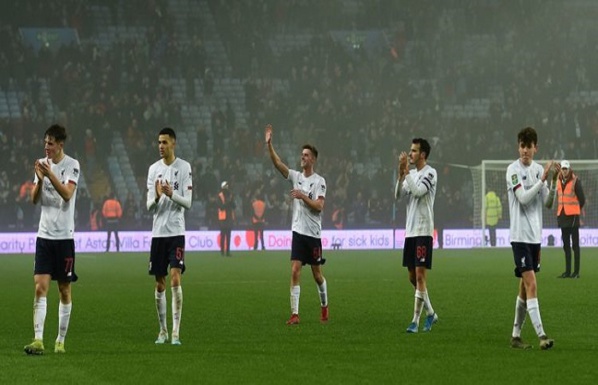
42	169
296	194
403	164
553	166
163	188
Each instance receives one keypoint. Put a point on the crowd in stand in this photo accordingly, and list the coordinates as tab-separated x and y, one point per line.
359	108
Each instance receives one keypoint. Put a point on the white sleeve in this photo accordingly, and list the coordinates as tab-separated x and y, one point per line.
421	188
398	189
183	200
525	197
151	191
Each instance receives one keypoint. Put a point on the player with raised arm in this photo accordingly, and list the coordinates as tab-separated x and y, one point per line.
169	193
308	193
528	193
419	185
56	178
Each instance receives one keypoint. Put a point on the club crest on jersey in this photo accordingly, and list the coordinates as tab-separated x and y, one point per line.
514	179
176	173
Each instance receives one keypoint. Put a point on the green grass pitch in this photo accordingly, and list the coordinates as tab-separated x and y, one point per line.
233	326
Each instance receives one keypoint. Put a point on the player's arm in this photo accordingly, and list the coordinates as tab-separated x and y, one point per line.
524	197
154	192
185	199
552	193
403	170
37	185
314	204
280	166
65	191
421	188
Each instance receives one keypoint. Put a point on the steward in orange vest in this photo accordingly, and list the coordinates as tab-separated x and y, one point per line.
258	220
570	202
112	212
226	217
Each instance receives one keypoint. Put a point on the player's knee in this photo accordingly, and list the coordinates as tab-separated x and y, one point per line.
65	292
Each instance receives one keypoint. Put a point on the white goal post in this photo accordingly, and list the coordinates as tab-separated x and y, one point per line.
491	175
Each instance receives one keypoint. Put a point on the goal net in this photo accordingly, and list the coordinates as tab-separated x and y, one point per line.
490	175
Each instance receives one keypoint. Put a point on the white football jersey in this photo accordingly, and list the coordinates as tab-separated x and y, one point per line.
305	220
57	219
169	216
420	187
526	220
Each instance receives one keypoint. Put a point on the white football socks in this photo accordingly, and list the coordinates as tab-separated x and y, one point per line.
295	293
427	304
40	307
161	309
323	291
417	306
64	316
520	312
177	309
533	309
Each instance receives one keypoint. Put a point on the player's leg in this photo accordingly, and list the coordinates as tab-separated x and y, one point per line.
158	267
295	291
322	291
431	316
420	290
566	237
177	303
409	263
40	307
161	305
520	313
64	314
176	260
531	291
576	252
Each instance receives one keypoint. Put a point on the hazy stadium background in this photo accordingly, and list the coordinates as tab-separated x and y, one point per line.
359	79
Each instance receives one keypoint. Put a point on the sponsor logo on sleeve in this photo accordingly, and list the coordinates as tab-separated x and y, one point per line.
514	179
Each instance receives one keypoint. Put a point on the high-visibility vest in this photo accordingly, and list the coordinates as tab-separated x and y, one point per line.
493	208
259	207
112	209
222	212
567	199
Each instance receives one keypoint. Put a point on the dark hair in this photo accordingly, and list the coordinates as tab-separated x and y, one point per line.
424	146
57	132
527	136
168	131
311	148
